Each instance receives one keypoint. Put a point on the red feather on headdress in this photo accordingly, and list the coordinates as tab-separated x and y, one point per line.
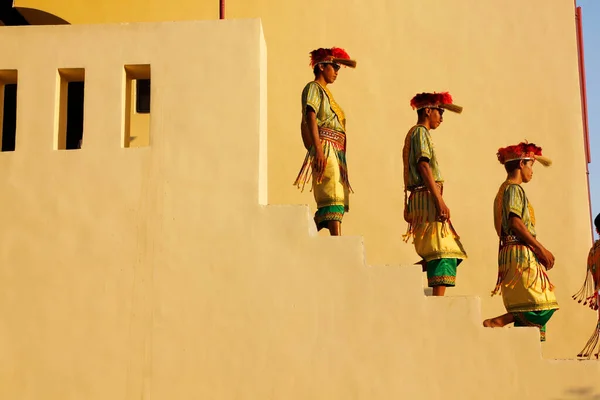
445	98
319	55
334	54
442	100
337	52
507	153
430	99
520	151
530	148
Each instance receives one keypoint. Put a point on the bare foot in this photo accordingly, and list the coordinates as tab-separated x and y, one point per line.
490	323
499	321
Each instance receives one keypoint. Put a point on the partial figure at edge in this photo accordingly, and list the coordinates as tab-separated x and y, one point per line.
589	294
526	289
323	131
428	216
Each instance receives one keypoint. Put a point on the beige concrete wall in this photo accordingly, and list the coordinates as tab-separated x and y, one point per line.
159	273
511	64
155	272
82	229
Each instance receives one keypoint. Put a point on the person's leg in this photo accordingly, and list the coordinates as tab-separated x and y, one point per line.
499	321
335	228
441	273
330	217
439	290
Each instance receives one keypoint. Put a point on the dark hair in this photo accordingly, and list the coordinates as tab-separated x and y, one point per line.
316	70
597	222
421	112
511	166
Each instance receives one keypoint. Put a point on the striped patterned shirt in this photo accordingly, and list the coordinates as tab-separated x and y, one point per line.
515	201
421	146
322	102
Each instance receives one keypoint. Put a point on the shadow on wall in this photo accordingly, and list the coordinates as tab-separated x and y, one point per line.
39	17
585	393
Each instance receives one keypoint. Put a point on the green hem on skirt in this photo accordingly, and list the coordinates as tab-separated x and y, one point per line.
328	213
534	318
442	272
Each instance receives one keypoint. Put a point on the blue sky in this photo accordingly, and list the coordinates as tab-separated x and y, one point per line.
591	41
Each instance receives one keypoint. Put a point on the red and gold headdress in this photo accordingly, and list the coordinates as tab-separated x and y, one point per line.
334	55
522	151
441	100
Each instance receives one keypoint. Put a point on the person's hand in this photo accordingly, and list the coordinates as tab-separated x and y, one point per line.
550	260
546	258
319	163
443	212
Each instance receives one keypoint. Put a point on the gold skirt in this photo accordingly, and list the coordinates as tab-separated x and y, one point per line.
523	281
332	188
432	239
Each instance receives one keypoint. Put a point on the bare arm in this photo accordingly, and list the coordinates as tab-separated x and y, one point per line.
313	135
593	269
520	230
312	128
306	138
443	212
597	277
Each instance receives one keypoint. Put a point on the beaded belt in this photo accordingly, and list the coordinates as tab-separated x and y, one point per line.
339	138
423	188
510	240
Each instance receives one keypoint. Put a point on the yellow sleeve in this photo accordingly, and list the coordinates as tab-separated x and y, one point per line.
312	96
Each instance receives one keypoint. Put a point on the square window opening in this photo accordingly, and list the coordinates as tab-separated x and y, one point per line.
137	110
69	135
142	96
8	109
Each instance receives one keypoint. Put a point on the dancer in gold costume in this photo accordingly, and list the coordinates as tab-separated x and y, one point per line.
323	130
427	214
589	293
523	262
